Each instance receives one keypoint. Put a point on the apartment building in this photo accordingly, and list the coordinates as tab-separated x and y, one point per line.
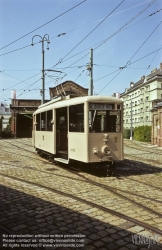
140	97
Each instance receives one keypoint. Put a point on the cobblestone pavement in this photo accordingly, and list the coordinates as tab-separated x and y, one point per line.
40	201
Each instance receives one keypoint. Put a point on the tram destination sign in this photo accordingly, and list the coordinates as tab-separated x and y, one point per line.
100	106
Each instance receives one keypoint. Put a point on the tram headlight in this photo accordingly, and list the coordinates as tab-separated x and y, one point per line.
95	150
106	150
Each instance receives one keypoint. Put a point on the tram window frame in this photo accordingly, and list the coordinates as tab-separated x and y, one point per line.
46	125
76	118
38	122
43	122
49	117
108	122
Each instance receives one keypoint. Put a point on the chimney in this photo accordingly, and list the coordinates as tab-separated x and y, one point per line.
153	71
13	94
143	77
117	95
160	66
131	84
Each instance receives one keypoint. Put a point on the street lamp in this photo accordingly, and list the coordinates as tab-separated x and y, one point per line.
45	38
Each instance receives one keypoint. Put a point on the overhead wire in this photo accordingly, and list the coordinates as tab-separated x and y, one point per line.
123	27
64	33
90	33
44	24
129	62
17	79
149	15
105	40
84	26
151	61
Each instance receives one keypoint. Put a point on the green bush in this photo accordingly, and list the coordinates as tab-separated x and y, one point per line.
126	133
6	132
142	133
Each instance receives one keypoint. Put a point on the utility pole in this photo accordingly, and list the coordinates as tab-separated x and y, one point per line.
45	38
90	68
90	93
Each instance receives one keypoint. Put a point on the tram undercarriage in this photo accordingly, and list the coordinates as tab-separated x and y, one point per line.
106	168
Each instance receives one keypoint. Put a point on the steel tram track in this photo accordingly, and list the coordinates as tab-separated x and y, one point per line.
141	149
107	210
88	181
30	157
108	188
105	187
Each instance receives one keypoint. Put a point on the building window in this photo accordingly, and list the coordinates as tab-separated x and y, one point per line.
147	118
141	110
147	98
141	119
141	100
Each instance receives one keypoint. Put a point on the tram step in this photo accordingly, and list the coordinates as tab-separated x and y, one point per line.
62	160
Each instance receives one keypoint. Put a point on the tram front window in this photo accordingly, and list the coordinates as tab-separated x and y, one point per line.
104	121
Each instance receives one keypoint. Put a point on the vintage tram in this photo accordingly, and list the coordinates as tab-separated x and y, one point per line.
87	129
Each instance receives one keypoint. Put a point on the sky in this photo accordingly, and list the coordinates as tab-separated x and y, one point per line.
125	35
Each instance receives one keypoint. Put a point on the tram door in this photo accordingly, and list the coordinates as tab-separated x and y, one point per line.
61	132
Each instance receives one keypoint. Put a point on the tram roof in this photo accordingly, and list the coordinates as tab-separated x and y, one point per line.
67	101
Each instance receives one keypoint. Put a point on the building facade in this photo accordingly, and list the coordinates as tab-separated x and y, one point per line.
156	135
23	109
139	99
21	116
5	114
67	88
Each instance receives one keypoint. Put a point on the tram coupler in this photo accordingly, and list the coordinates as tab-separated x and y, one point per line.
109	169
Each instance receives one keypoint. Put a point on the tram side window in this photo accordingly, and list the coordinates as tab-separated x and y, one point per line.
43	121
49	119
37	122
76	118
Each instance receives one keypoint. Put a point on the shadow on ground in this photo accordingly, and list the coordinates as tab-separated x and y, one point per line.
22	213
